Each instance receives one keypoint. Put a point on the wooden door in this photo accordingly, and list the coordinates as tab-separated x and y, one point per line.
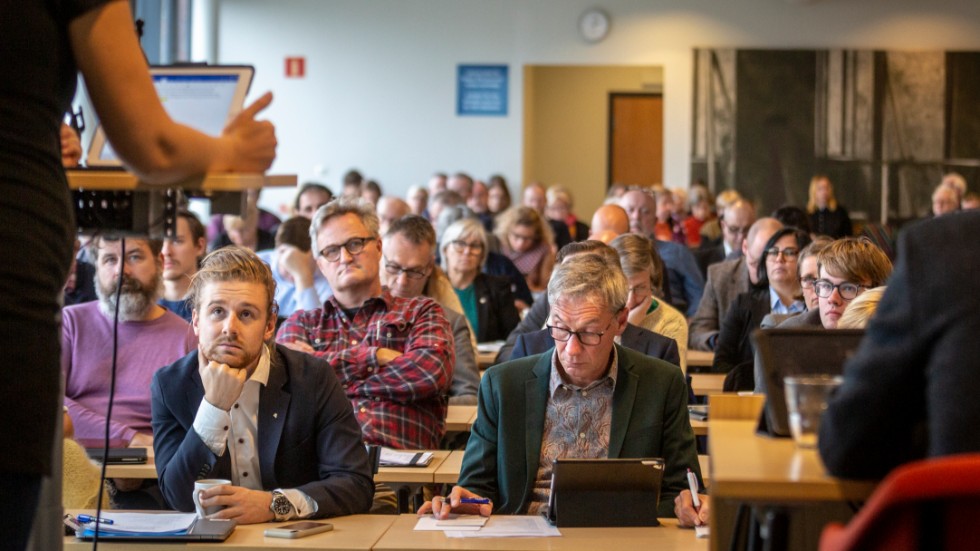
636	139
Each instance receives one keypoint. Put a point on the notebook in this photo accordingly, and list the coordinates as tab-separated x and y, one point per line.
605	492
204	97
798	351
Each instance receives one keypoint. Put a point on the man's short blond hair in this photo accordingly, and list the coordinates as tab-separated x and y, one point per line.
855	259
236	264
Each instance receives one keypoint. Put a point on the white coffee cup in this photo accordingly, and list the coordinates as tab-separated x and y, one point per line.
200	486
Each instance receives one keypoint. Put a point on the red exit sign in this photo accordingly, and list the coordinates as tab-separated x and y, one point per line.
295	67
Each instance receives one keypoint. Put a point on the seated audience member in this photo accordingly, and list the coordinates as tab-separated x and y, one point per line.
588	398
265	220
945	199
700	202
273	421
390	209
371	192
727	280
609	221
956	181
441	200
711	234
859	312
150	337
526	239
809	271
777	291
644	272
536	197
827	217
735	223
352	184
479	204
181	256
80	286
299	283
437	183
685	284
559	209
848	267
793	217
910	391
667	227
410	271
393	356
614	192
498	195
462	184
417	198
487	300
245	231
633	337
971	200
310	197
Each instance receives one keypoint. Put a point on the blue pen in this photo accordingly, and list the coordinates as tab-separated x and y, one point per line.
87	518
476	500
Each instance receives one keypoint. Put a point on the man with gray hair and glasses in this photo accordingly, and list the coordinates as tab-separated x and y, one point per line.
585	398
394	356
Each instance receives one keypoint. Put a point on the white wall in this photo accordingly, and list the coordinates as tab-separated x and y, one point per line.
379	94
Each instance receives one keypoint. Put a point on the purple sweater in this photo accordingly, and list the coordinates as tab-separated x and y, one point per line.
86	361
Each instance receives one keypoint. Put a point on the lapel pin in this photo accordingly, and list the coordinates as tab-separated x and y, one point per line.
275	415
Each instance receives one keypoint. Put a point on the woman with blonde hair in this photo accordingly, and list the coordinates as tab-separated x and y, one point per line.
644	272
860	311
526	239
827	217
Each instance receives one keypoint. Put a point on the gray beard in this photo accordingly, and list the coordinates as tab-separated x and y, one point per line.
135	302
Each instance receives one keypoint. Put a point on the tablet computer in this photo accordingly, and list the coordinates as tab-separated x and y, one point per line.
788	352
204	97
605	492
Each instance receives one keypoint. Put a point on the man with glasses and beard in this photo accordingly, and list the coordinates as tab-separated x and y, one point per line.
149	338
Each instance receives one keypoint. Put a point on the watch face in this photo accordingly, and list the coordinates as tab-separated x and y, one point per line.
281	505
594	25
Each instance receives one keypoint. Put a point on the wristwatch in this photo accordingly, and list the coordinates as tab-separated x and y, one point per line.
281	506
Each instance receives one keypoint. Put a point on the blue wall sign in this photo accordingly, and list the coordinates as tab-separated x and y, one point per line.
481	90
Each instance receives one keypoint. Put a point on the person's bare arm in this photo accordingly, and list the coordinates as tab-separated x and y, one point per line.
150	143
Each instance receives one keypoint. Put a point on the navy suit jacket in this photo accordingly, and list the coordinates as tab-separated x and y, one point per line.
308	438
635	338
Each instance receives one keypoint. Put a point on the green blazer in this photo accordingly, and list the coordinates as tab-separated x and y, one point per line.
649	419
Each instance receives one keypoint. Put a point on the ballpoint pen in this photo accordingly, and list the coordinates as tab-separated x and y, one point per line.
475	500
88	518
692	481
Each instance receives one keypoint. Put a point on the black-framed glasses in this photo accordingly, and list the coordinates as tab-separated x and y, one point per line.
411	273
587	338
807	282
847	290
788	253
354	246
462	246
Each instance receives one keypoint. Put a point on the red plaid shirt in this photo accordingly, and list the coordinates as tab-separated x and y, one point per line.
400	405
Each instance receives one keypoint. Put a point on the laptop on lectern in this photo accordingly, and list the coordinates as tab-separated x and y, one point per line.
204	97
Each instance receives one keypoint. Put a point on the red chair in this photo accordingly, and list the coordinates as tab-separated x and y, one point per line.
931	504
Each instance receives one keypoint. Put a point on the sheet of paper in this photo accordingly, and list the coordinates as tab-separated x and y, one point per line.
702	531
492	346
507	526
454	522
146	523
392	458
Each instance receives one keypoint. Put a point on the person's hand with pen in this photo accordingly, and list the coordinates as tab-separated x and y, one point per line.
691	507
460	501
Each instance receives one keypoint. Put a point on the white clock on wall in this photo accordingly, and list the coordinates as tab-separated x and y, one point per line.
594	25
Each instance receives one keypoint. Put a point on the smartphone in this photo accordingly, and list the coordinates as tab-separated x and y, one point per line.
298	529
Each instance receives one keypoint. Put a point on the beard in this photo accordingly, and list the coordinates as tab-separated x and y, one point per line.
135	300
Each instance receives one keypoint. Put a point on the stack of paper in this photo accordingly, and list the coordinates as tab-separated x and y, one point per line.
392	458
143	523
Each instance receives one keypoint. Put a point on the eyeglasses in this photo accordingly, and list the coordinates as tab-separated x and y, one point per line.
462	246
354	246
410	273
807	282
788	253
587	338
847	289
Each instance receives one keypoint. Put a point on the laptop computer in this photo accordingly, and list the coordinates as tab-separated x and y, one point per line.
798	351
605	492
201	530
204	97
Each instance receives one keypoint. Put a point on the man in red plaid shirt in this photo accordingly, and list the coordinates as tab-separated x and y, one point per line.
394	356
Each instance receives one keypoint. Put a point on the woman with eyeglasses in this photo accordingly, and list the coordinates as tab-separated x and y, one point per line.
777	291
487	300
526	239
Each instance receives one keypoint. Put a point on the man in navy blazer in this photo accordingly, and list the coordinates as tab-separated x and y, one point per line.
272	420
634	337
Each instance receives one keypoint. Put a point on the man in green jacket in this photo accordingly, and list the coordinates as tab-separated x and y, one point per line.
586	398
